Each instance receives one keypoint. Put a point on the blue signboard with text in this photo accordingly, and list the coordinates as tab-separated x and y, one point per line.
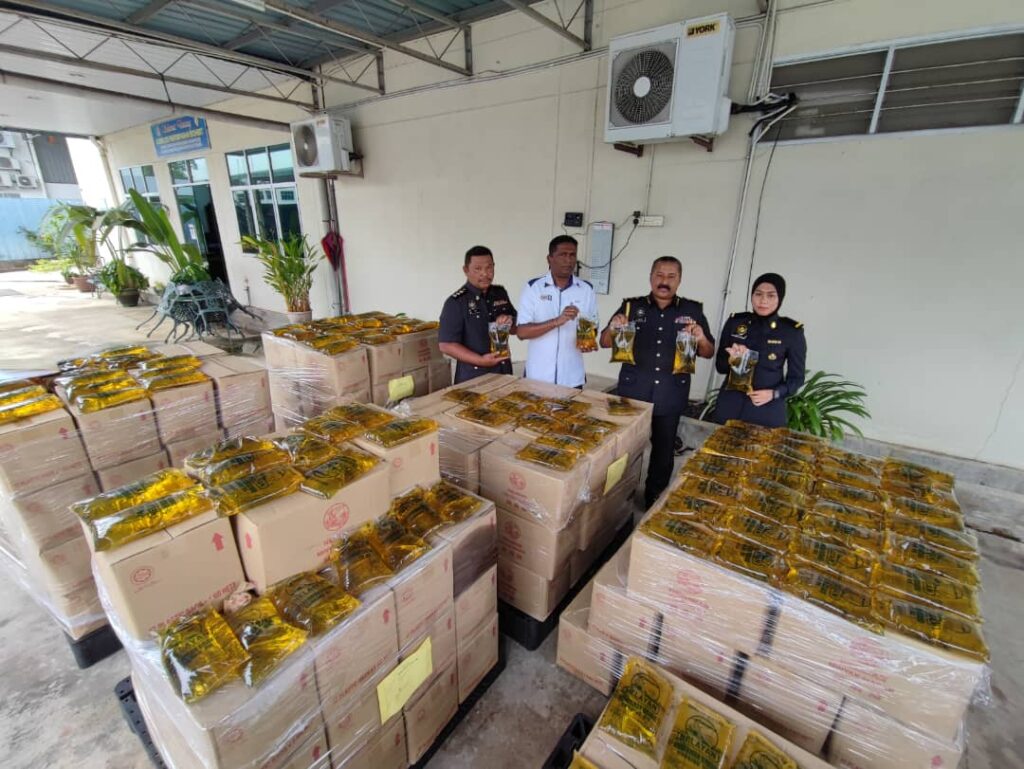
180	134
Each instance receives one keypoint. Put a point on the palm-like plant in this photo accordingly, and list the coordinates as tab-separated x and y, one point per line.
84	230
159	238
288	266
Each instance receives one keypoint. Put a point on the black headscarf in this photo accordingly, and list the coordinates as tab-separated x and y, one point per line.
773	279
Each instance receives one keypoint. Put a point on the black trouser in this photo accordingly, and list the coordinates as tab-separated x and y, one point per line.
659	470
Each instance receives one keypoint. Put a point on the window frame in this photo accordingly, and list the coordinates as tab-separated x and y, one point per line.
151	196
251	189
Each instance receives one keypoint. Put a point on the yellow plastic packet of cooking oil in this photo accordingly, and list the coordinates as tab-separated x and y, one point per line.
834	529
335	431
867	467
395	544
176	378
696	510
741	371
917	554
757	752
467	397
763	531
484	415
681	532
750	558
716	468
120	351
549	456
586	334
729	445
685	359
621	407
366	416
329	338
201	654
515	409
562	408
927	587
834	474
400	431
565	442
357	564
700	738
801	483
848	514
170	361
339	346
70	364
426	325
42	404
853	563
112	381
306	451
833	593
89	404
147	489
26	392
962	544
782	510
377	339
144	377
133	523
781	458
325	480
451	502
933	626
245	444
927	513
941	499
623	338
539	424
413	512
266	637
242	466
312	603
579	761
249	492
638	706
709	489
873	501
899	471
524	396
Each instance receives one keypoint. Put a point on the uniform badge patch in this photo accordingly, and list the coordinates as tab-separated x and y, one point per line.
772	356
741	330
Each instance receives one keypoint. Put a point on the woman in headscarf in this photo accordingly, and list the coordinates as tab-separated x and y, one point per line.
781	348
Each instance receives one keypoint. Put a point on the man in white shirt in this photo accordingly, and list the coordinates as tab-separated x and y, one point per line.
548	309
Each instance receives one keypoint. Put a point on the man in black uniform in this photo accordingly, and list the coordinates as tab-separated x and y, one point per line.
463	332
658	317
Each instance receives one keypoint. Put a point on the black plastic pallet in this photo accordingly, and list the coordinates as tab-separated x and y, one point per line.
133	714
94	647
529	632
570	741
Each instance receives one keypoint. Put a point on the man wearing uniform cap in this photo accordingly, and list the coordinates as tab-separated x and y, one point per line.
464	333
658	317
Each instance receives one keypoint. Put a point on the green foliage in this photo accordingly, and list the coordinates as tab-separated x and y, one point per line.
117	276
159	238
83	230
288	267
65	266
47	238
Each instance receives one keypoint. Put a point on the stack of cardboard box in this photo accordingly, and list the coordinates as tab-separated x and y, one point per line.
375	690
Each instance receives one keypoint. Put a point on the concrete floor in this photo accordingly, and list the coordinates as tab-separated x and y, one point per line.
54	715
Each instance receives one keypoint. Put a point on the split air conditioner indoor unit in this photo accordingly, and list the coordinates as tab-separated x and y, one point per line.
322	144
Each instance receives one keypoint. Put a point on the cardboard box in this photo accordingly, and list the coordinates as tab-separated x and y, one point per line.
474	545
278	352
581	653
39	451
286	393
181	449
459	443
439	375
42	518
356	651
185	412
475	604
119	434
867	739
257	424
295	533
61	569
78	608
543	389
201	350
529	592
285	422
631	624
915	683
333	374
477	656
426	717
799	710
546	494
634	431
354	722
709	600
129	472
464	425
444	647
236	725
384	750
530	544
241	386
385	361
420	349
177	570
413	463
423	592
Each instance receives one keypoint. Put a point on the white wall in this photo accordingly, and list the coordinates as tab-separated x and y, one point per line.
852	222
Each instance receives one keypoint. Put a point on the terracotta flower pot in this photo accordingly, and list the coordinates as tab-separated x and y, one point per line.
83	284
300	317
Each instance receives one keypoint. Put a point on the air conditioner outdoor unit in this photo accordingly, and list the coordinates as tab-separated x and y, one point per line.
28	181
6	179
9	164
670	82
7	140
322	144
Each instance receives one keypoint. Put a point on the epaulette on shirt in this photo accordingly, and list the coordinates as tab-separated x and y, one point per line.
744	315
534	280
791	322
581	280
462	290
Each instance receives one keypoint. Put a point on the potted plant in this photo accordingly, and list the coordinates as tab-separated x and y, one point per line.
288	266
159	238
123	281
83	229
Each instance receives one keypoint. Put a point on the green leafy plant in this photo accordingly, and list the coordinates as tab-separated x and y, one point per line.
159	238
118	276
288	267
64	265
83	230
821	407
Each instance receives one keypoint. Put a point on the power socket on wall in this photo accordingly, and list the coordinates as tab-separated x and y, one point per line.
651	221
573	219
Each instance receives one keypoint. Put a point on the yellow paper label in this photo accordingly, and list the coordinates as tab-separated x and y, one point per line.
394	691
615	471
400	388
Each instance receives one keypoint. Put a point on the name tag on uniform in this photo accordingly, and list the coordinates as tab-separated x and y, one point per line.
546	297
774	341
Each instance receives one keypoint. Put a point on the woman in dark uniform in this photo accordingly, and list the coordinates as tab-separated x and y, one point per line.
782	352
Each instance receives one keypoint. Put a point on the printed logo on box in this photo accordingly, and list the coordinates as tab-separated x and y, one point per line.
234	735
387	616
141	575
517	481
512	530
336	516
397	463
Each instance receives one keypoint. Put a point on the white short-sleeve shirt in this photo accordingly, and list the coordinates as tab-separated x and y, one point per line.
553	357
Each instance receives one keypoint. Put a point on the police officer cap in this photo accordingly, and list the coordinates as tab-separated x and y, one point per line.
773	279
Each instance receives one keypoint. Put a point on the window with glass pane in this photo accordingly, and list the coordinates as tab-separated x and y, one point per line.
288	211
266	214
179	171
238	174
198	170
259	166
243	212
281	163
149	175
142	179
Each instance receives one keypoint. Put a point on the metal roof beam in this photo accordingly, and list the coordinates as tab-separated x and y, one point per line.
244	39
322	22
543	20
429	13
148	75
152	8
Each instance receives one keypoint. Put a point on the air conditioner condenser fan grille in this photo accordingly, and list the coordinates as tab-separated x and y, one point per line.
643	87
305	145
